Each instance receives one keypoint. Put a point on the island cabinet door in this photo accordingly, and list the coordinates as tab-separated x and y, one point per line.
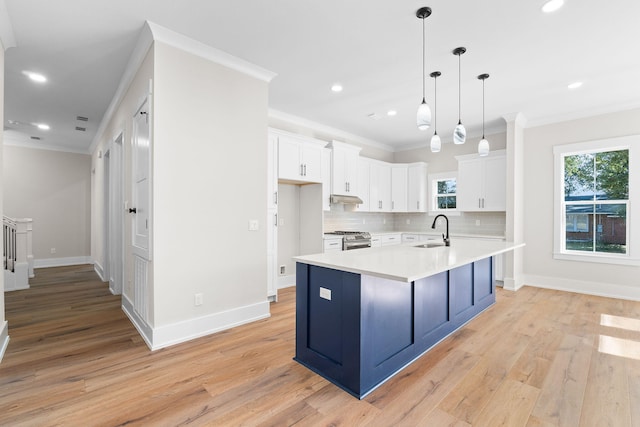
433	310
328	324
472	289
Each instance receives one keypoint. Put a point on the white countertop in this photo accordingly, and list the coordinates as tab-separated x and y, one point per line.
406	262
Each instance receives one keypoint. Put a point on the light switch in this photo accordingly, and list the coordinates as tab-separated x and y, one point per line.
325	293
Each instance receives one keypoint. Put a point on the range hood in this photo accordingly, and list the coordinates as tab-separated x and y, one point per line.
347	200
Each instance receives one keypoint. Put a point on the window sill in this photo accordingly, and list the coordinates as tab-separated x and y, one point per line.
603	259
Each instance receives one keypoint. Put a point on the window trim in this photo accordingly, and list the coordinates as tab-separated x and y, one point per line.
432	179
632	257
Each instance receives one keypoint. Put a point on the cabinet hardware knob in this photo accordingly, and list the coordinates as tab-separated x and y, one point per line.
133	210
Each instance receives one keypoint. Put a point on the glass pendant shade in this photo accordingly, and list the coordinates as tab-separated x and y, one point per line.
436	144
424	116
483	147
459	134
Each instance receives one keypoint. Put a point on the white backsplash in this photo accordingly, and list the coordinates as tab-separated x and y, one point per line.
481	223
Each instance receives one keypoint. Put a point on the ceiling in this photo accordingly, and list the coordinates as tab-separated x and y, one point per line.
373	48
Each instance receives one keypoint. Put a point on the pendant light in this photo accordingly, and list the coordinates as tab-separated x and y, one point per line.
483	145
459	133
423	117
436	144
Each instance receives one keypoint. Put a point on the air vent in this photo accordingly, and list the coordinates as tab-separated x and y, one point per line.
37	138
82	119
81	129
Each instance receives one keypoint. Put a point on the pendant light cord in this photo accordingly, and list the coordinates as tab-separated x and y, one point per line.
423	61
459	96
435	104
483	108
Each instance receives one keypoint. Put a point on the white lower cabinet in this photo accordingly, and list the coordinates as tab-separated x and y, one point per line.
333	244
390	239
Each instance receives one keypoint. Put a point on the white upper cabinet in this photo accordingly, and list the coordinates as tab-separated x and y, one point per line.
326	179
344	168
417	187
299	158
481	182
399	181
380	187
272	172
364	169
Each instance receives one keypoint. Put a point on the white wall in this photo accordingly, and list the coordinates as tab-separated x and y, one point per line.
209	180
4	328
540	267
53	188
445	160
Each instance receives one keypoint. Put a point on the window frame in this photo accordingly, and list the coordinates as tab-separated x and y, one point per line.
433	179
560	252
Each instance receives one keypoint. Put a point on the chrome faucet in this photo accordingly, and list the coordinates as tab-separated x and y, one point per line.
446	239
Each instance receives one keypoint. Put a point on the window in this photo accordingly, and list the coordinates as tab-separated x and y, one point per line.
593	204
443	188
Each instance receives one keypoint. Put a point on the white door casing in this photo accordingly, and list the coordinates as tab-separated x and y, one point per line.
115	216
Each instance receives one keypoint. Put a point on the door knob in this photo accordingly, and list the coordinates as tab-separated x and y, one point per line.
132	210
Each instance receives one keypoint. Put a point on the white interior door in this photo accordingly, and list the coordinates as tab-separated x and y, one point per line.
140	209
141	181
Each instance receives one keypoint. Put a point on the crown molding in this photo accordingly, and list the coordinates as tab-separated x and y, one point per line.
14	140
336	134
610	109
182	42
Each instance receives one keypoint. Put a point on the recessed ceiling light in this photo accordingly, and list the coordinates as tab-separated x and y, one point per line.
36	77
43	126
552	6
374	116
392	113
337	87
574	85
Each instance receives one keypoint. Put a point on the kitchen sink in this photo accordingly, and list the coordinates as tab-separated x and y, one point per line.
430	245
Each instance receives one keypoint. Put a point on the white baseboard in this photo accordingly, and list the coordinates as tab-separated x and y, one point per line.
4	339
61	262
286	281
511	284
610	290
99	270
175	333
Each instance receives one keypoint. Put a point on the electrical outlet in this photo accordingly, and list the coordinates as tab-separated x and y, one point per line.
53	250
364	221
197	299
253	225
408	221
477	222
282	268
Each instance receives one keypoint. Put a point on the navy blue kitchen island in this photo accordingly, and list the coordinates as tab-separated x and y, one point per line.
358	328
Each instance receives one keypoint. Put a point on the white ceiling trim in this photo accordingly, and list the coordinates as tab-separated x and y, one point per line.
7	36
334	132
202	50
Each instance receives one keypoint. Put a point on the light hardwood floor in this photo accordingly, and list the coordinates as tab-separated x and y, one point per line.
536	358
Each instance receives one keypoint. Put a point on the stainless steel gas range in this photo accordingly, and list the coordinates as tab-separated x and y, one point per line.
354	239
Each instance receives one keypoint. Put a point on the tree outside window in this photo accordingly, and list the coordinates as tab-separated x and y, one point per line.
446	193
596	201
